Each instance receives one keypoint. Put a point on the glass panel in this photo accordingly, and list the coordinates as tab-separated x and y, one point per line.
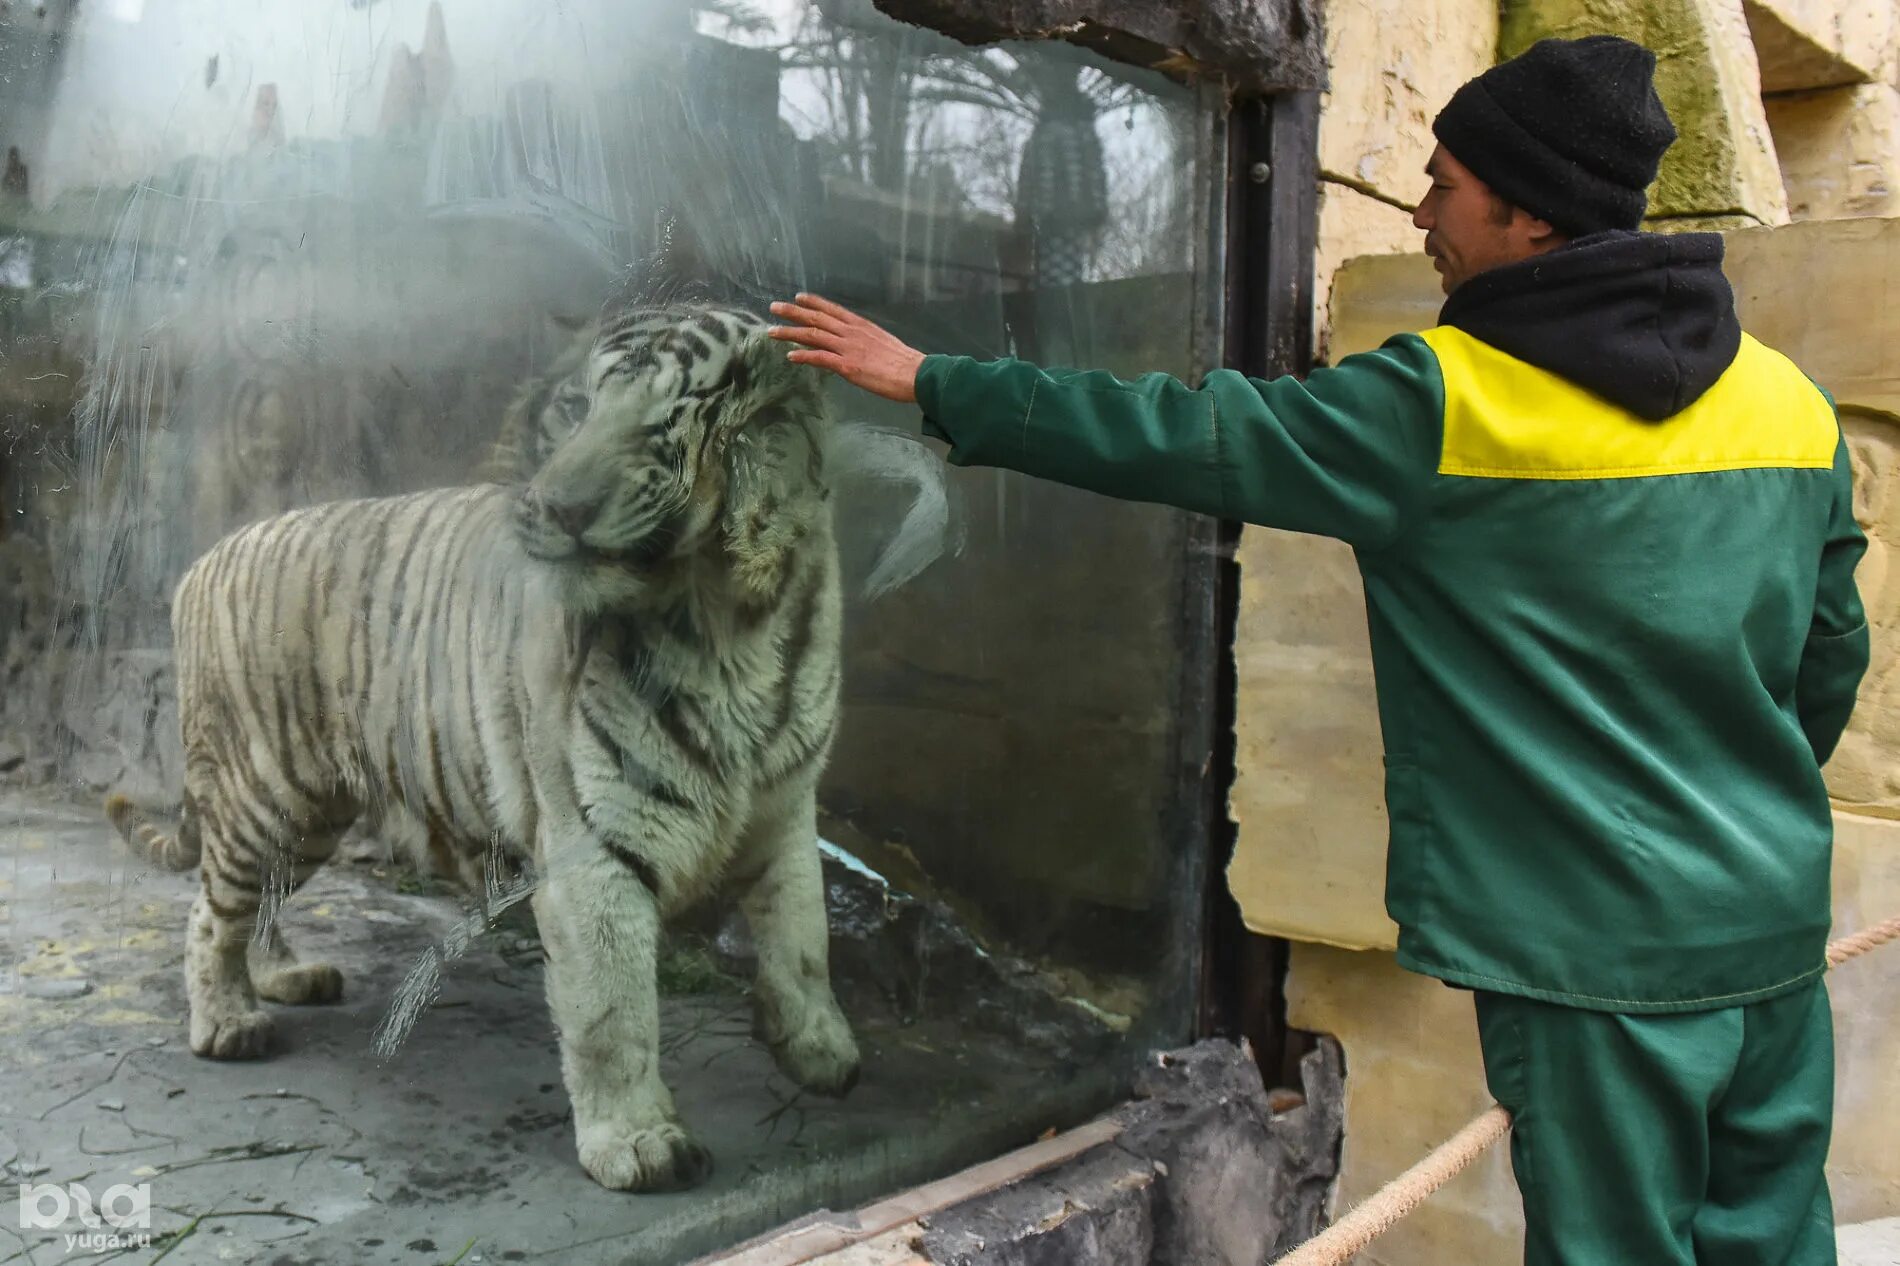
257	258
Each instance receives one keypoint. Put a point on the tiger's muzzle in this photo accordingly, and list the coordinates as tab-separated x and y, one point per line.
558	531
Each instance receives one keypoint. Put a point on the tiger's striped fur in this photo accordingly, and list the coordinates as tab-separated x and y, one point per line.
622	676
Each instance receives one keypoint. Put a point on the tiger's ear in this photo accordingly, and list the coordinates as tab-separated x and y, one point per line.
775	466
561	327
774	381
510	457
776	491
760	526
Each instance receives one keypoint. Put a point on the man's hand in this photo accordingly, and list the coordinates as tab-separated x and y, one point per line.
860	352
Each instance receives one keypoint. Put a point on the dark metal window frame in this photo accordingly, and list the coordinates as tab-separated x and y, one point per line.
1271	228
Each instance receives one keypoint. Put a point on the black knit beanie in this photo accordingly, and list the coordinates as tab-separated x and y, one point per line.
1572	131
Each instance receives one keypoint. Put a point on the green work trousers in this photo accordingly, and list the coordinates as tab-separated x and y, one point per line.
1668	1140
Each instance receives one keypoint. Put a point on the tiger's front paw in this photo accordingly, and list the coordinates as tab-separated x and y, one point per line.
662	1157
230	1034
823	1056
302	984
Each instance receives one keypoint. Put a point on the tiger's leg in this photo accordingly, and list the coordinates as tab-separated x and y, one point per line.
782	891
279	976
277	973
600	924
226	1022
233	956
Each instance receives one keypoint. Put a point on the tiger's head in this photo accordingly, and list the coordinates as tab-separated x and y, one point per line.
683	432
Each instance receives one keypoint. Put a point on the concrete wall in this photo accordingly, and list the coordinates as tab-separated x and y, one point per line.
1793	113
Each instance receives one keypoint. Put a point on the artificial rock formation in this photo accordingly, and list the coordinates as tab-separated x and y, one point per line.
1819	43
1839	150
1723	162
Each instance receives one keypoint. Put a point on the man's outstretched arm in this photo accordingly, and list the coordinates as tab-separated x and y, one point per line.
1348	453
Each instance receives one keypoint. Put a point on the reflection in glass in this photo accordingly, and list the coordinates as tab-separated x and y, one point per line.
254	259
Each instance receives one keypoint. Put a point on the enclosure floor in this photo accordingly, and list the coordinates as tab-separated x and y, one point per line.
461	1143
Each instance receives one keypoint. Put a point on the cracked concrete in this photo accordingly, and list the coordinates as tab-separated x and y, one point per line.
459	1144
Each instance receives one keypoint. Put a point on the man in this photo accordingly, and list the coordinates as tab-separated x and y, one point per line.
1608	546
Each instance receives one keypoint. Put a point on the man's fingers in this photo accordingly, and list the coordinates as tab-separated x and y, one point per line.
830	333
836	311
807	316
811	336
822	360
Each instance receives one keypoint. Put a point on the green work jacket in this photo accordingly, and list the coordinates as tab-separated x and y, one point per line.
1612	649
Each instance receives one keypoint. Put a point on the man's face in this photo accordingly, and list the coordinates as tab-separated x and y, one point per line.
1469	229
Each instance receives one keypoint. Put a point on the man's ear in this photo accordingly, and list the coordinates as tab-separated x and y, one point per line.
1541	234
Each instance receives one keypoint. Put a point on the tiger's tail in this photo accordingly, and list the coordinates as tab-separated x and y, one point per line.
179	851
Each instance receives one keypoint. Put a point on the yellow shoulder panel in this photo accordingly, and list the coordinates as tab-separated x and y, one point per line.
1505	419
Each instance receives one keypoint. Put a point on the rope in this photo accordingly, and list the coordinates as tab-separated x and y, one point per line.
1373	1218
1860	942
1375	1215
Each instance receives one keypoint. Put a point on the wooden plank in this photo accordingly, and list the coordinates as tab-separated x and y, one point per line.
830	1233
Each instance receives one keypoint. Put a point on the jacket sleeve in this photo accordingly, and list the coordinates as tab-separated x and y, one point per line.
1349	452
1836	652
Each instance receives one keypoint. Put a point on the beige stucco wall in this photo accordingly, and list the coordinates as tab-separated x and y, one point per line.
1822	144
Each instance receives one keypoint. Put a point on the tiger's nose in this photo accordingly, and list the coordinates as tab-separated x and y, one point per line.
572	517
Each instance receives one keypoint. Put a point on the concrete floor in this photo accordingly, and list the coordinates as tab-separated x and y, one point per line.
458	1149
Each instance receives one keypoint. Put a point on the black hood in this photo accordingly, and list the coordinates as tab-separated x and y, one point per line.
1645	320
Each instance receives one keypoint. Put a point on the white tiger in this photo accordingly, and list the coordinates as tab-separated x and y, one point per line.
624	674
